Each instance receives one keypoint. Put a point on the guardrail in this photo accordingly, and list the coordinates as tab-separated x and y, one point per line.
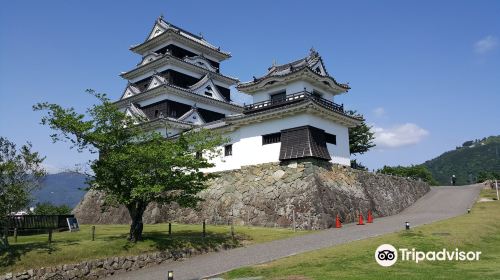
293	98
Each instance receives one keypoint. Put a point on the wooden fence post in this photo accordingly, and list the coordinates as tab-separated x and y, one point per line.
93	233
204	232
169	229
496	186
50	235
15	235
293	219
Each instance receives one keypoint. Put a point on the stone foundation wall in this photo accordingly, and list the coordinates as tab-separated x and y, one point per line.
271	194
102	268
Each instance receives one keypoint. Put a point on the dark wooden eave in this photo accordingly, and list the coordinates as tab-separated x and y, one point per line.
151	66
176	90
160	39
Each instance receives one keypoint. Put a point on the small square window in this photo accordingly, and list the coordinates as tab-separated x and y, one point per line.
271	138
228	150
331	138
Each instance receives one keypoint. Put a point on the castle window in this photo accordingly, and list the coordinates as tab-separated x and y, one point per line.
316	94
228	150
331	138
209	91
318	70
157	113
278	97
271	138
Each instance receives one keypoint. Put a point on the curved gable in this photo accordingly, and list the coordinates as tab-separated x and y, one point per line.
156	81
201	62
206	87
149	58
129	91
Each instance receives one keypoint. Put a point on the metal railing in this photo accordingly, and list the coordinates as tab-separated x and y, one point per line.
293	98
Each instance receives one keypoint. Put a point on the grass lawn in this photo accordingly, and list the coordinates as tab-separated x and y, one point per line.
71	247
478	231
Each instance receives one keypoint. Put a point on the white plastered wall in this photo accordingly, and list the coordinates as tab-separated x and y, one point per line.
248	149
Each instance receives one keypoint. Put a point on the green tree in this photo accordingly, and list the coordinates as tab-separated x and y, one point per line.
47	208
360	137
21	172
135	167
415	172
487	175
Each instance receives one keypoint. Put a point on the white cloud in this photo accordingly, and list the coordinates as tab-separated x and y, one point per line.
486	44
379	112
399	135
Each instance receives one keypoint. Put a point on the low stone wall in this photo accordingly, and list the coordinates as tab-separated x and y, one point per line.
313	192
96	269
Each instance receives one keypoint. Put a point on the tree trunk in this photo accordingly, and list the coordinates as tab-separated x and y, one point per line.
4	237
136	210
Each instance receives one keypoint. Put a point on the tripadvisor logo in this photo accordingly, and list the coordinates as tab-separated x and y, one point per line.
387	255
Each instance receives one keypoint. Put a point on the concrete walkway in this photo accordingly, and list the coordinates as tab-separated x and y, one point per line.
440	203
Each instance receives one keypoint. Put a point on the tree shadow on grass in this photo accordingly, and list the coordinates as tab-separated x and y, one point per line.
179	240
189	239
15	251
161	241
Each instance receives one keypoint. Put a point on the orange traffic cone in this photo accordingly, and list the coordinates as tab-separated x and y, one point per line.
360	220
338	224
369	218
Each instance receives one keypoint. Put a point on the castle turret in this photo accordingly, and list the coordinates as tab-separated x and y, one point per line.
178	70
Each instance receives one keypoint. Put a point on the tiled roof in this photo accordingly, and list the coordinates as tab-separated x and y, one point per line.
169	56
169	27
310	62
197	38
202	62
186	91
298	103
136	112
189	114
130	90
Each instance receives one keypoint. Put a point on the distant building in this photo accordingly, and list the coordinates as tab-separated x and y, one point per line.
178	86
23	212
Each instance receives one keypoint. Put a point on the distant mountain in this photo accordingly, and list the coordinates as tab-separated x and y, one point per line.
467	161
61	188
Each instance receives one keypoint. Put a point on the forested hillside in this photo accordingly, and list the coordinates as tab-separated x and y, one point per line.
65	188
467	161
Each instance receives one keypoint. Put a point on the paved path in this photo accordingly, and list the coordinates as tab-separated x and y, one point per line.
440	203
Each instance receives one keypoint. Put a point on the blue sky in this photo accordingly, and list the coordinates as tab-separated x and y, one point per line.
426	74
